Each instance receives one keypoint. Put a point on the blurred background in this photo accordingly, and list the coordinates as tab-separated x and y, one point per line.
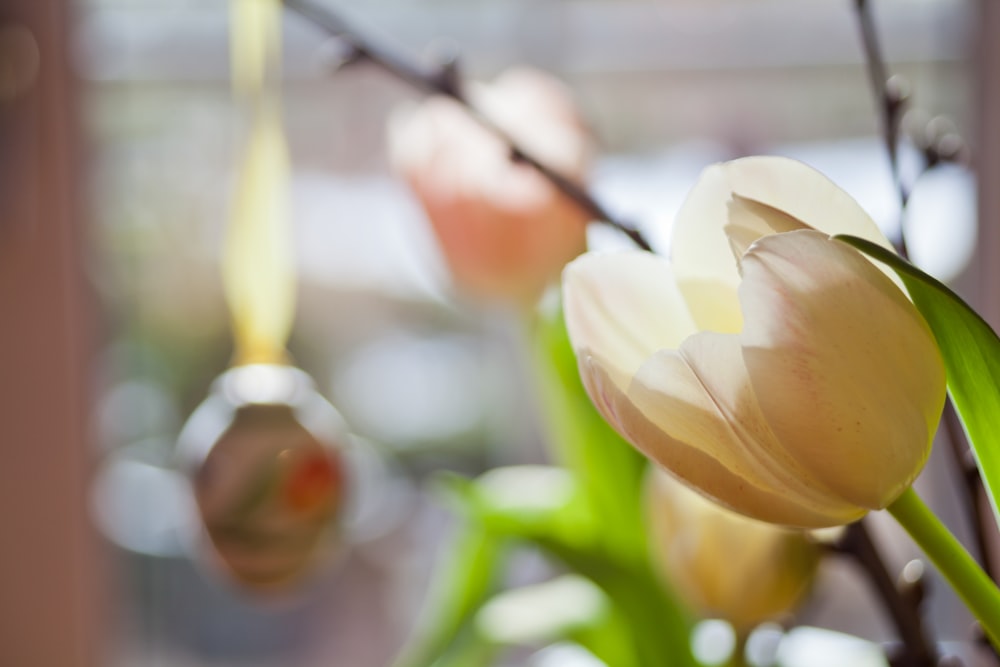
121	149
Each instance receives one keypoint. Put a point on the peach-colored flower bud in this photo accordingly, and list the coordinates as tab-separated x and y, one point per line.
722	564
505	230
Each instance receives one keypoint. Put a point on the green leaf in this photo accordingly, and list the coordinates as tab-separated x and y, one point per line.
470	650
643	610
462	585
609	470
971	353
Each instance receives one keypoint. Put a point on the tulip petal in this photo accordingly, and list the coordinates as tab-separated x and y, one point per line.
699	398
709	477
620	308
706	270
698	469
828	342
700	249
802	193
749	220
484	208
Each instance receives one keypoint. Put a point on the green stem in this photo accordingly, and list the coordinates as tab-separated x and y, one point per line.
973	585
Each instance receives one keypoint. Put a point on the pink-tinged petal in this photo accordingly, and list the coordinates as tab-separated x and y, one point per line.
803	193
794	193
504	230
700	396
845	370
716	361
749	220
696	468
620	308
606	387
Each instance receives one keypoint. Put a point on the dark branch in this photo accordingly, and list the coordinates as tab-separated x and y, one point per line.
917	650
890	96
937	147
443	80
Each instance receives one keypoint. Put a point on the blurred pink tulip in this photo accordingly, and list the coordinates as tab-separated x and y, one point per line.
505	231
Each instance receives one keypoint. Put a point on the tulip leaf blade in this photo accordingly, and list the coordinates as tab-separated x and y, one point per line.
460	587
971	353
609	470
647	626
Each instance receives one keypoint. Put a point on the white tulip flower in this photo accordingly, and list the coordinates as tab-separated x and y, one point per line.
769	366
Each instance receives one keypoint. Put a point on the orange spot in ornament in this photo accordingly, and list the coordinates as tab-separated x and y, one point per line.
313	484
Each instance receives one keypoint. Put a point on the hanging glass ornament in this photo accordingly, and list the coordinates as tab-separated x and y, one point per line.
265	455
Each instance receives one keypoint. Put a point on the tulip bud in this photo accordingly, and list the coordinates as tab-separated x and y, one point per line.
722	564
776	370
504	229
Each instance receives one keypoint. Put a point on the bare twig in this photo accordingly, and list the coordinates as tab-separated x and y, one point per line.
892	102
444	80
890	98
917	651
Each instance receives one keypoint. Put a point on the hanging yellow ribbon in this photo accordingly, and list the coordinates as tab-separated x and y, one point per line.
254	42
258	268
